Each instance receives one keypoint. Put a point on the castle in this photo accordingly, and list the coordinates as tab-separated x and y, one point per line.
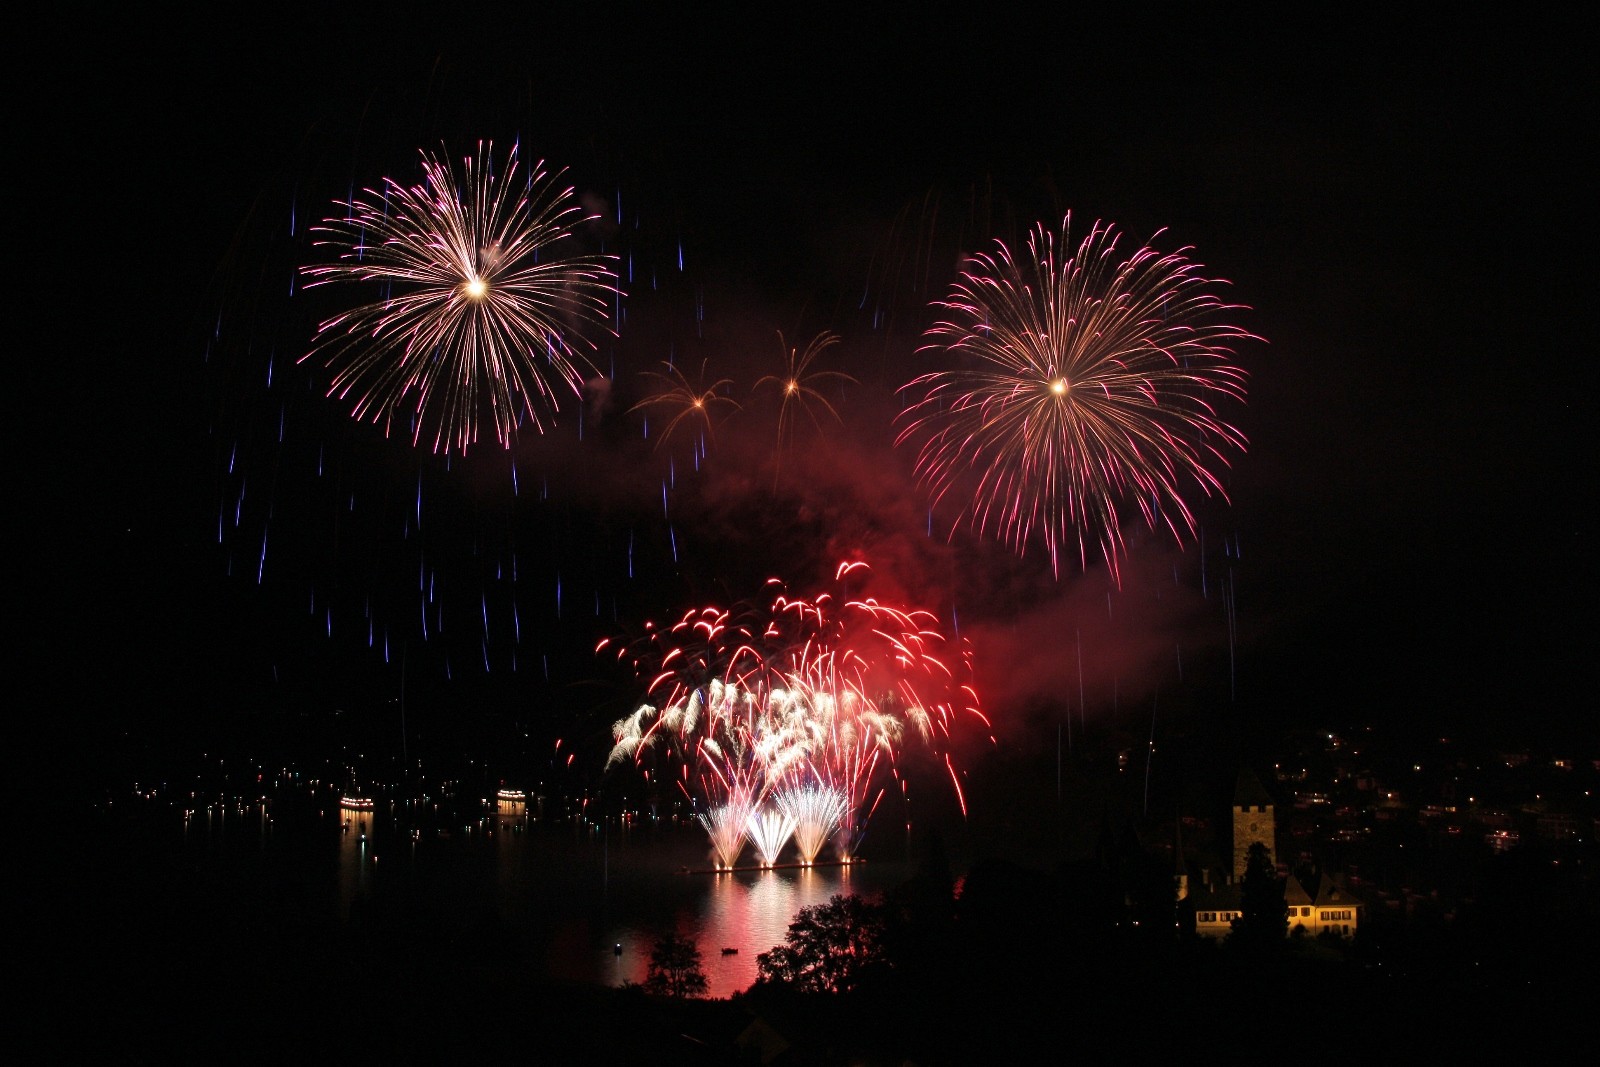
1325	907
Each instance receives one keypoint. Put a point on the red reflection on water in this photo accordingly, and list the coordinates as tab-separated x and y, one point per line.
746	911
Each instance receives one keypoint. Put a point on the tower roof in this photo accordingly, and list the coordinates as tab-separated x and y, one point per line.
1249	792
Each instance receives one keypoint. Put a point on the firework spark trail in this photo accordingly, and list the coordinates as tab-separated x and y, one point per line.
818	812
848	736
477	306
687	402
739	772
798	389
1087	387
727	824
769	830
811	693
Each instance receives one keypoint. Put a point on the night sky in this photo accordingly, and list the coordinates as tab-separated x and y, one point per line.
1409	535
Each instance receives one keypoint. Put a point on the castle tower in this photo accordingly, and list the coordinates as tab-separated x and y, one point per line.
1253	821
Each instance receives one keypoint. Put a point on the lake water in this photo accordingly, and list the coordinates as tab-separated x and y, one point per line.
591	899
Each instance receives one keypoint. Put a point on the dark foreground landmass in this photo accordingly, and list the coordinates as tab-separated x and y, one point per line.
135	962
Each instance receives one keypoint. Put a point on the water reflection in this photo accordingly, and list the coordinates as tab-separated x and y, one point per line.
734	916
569	894
511	880
355	856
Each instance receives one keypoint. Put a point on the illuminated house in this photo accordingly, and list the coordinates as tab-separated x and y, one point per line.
511	802
1215	908
353	803
1328	908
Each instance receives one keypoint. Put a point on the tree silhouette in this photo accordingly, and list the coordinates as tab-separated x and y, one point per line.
1263	915
675	968
830	948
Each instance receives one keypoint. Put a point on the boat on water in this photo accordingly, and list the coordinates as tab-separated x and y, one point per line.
355	802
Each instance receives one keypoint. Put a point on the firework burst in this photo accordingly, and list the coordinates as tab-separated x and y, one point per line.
808	698
799	386
477	300
686	403
1087	389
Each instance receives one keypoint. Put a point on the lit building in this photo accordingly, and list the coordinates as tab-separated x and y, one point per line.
1215	908
1328	908
1254	821
1331	909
